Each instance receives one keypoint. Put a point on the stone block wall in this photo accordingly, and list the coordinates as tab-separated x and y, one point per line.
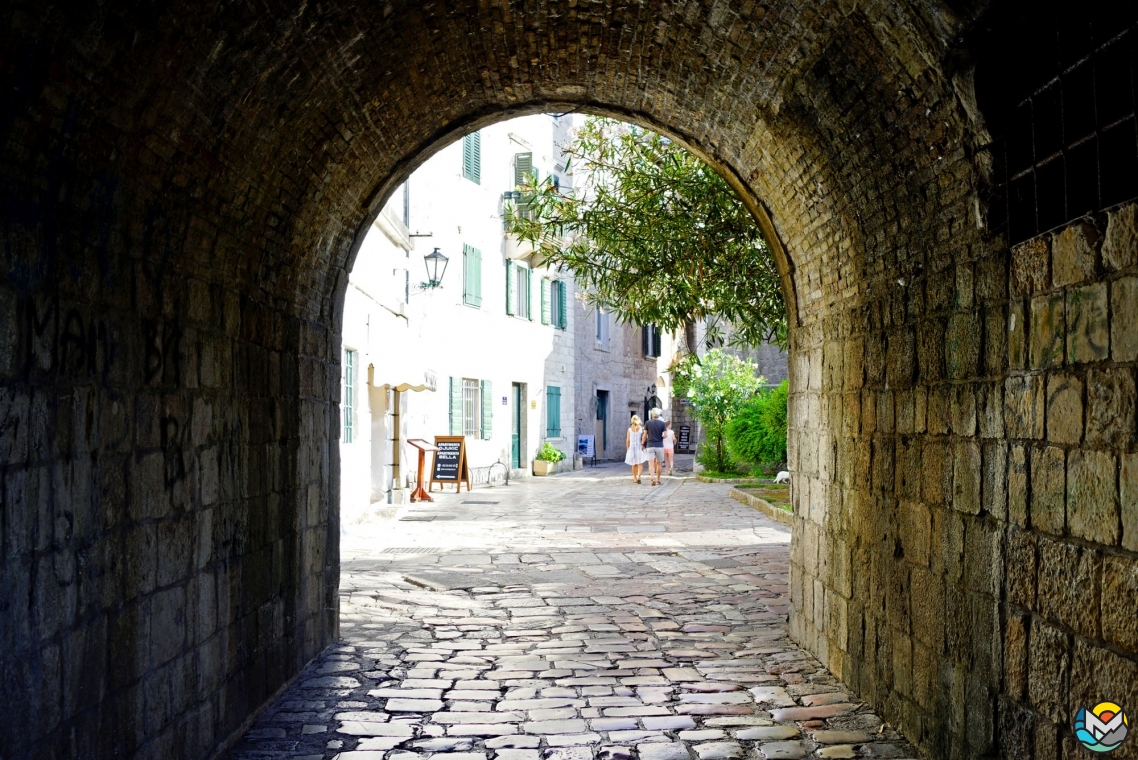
966	542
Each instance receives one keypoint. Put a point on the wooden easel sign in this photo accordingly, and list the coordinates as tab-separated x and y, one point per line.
450	464
420	494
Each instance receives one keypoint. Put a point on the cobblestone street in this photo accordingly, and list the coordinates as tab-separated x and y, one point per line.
568	618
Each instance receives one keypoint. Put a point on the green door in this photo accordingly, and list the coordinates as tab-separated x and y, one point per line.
516	428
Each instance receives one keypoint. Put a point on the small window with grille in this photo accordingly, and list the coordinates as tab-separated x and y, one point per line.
471	408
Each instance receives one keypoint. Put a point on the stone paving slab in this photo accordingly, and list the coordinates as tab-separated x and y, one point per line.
576	617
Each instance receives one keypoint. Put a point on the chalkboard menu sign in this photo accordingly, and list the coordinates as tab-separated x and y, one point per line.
684	442
450	462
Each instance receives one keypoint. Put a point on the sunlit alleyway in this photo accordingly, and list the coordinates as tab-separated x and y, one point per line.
571	617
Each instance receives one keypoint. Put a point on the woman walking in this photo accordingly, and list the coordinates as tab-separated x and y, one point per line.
634	442
670	449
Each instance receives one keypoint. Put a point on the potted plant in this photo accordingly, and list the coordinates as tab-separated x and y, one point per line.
546	460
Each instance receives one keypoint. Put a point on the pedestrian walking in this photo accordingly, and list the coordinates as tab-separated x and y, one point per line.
634	442
670	448
655	442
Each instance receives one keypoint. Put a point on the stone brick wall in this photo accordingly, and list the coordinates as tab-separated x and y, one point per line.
182	190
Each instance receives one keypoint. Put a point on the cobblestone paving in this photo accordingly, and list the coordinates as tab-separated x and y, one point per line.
569	618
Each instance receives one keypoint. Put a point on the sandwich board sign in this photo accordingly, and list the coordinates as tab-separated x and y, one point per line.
450	464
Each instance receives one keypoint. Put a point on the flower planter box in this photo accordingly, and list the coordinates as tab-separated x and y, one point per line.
544	468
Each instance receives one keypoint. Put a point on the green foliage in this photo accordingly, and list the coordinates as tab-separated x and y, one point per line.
757	432
715	386
549	454
652	234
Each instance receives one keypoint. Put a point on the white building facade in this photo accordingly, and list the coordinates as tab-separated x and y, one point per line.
489	354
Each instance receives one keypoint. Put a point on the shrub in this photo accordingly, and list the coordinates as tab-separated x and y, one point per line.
715	386
549	454
757	432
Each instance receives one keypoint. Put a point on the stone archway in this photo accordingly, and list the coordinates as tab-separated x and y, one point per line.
182	192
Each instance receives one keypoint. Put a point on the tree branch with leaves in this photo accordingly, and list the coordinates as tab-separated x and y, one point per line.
654	235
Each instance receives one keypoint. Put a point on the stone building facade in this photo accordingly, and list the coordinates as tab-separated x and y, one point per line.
616	376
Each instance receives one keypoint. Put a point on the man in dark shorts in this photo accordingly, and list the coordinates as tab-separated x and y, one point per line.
655	447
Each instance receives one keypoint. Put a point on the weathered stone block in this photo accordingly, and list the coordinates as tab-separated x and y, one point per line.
915	532
1096	671
1021	566
1017	335
1023	406
1031	266
1049	670
1092	496
1017	485
1088	324
966	477
1047	331
1128	476
1120	601
982	552
1048	490
1120	248
990	399
901	359
962	346
963	410
1111	407
1064	409
1074	254
1015	655
927	606
1124	319
995	342
1068	581
936	467
993	485
167	625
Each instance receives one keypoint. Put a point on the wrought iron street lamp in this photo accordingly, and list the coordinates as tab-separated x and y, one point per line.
436	264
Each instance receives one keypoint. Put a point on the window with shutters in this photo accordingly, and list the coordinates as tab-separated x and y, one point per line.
471	276
523	167
650	341
471	408
518	279
557	304
472	157
547	288
348	409
552	412
602	334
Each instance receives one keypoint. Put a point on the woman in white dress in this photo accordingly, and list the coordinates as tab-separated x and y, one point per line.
670	449
634	442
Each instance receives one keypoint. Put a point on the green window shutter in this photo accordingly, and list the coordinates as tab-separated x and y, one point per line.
511	289
552	412
561	306
529	297
523	166
471	275
478	276
546	306
487	409
456	406
472	157
655	340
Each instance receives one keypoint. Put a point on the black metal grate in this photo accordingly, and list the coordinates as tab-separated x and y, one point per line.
1057	86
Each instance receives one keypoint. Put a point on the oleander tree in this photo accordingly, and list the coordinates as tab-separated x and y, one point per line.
654	235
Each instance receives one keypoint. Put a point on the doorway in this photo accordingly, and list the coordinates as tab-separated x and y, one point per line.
602	429
516	426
